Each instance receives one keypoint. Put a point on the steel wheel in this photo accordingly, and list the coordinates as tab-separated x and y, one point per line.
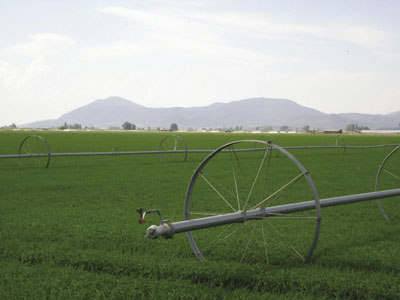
34	151
388	177
173	143
232	179
336	142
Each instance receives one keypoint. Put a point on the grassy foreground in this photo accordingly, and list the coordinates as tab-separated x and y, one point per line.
71	231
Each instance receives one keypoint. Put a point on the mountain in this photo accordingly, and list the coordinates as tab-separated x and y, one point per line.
248	113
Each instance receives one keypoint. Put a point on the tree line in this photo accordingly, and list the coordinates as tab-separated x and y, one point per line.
131	126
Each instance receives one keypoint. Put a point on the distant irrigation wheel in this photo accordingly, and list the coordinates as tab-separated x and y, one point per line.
232	179
34	151
336	142
173	144
388	177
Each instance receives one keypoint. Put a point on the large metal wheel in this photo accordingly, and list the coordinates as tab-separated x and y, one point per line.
232	179
174	144
34	151
388	177
336	142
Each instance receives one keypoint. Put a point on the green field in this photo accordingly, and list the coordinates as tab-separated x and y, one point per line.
71	231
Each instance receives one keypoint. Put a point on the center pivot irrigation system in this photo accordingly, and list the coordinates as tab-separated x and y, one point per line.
246	206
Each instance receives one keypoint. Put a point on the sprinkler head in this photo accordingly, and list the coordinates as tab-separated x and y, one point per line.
141	218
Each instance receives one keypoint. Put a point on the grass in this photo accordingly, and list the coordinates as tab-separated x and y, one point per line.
71	231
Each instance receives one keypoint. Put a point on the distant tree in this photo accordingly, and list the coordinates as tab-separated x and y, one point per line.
306	128
284	128
355	127
173	127
12	126
63	127
351	127
70	126
127	126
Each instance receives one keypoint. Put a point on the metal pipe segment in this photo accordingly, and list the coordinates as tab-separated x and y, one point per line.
184	151
167	229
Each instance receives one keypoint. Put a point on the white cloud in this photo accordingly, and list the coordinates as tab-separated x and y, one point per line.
236	37
276	28
42	44
153	19
119	49
26	63
184	33
30	74
16	77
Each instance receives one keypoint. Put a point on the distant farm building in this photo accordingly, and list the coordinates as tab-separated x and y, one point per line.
333	131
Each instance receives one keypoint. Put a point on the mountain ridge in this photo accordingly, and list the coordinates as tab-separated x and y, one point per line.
248	114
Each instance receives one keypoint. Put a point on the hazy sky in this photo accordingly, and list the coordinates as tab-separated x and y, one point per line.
335	56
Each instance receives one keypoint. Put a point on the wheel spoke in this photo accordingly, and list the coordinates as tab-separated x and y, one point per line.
289	246
29	145
25	150
391	173
37	146
294	180
204	213
176	144
395	215
216	183
234	179
256	177
266	175
240	166
217	240
291	216
248	242
283	216
224	238
219	194
265	243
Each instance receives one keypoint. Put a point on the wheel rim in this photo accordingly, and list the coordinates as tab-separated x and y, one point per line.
173	144
34	151
388	177
231	179
268	139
